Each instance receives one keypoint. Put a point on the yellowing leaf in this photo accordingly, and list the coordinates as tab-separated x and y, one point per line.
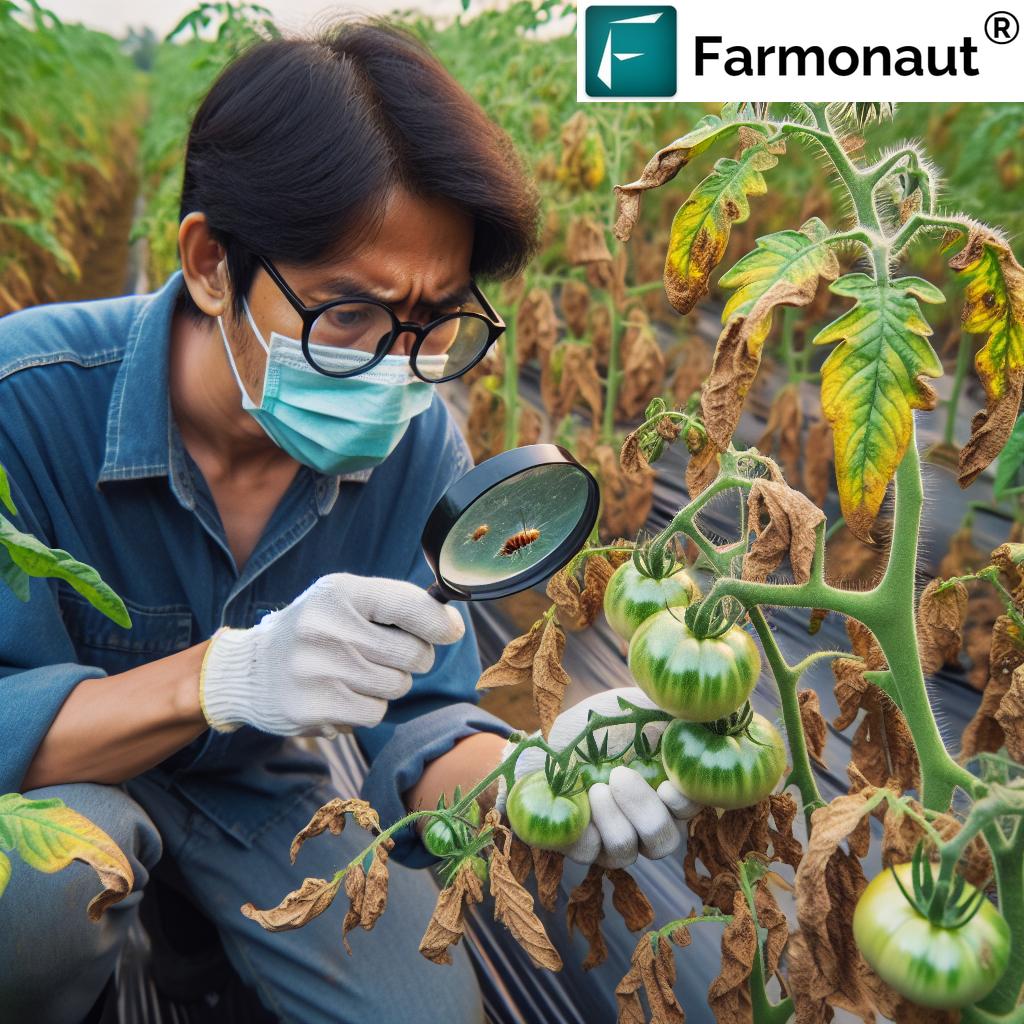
993	304
5	871
48	836
871	384
701	227
783	270
664	166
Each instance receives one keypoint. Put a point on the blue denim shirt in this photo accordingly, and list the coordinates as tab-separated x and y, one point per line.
99	469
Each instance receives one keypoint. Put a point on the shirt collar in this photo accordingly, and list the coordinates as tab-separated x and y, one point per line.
139	414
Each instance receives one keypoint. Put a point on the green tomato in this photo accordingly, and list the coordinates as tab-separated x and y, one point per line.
943	968
696	680
723	771
479	866
591	773
651	769
543	819
442	839
631	597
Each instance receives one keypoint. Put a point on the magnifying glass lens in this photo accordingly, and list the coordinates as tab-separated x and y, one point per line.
512	527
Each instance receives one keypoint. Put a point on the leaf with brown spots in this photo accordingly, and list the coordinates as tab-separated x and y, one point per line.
332	817
513	906
550	680
299	907
813	723
785	523
940	619
585	912
446	923
664	166
516	662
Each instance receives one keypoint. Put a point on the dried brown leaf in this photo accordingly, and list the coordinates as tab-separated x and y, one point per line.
585	242
1010	715
513	906
332	817
782	431
642	365
701	470
940	618
547	869
536	327
299	907
653	970
784	522
355	890
516	662
630	900
733	369
550	680
446	923
625	500
813	723
729	994
984	731
631	456
585	912
818	462
575	301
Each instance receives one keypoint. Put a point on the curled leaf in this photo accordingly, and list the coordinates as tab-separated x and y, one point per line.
299	907
653	970
813	722
332	817
729	994
585	912
585	243
516	662
785	523
446	923
630	900
575	300
817	460
1010	715
984	731
547	869
940	619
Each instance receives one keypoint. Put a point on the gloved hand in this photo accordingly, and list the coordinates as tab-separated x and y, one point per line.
627	817
331	659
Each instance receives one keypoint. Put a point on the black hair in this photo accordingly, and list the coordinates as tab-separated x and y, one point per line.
294	150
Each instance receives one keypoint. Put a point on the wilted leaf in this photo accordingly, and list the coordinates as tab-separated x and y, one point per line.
630	900
940	618
582	162
983	731
729	994
784	523
550	680
575	607
48	835
783	270
872	382
642	365
813	722
700	229
310	900
1010	715
332	817
547	869
585	243
536	327
782	431
993	304
625	500
446	923
574	300
516	662
653	969
520	859
664	166
701	469
817	460
585	912
355	890
690	371
569	376
513	906
733	370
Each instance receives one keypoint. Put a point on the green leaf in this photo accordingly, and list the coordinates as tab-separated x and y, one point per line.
1011	458
15	578
5	871
667	163
36	559
783	269
5	492
871	384
702	225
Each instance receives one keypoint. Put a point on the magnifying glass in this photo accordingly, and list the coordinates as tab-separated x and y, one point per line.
509	523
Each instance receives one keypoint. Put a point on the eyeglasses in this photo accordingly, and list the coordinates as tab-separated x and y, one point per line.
444	349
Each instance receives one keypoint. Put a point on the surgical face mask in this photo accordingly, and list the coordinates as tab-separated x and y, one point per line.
334	425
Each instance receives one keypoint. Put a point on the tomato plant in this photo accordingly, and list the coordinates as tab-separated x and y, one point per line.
647	762
547	809
697	679
731	763
941	965
637	590
445	837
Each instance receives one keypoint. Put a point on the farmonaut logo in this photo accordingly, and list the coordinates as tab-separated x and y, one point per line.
630	51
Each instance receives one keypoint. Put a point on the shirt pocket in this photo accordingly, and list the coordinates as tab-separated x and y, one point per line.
156	632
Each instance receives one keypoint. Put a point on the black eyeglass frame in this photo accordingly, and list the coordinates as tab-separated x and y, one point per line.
309	314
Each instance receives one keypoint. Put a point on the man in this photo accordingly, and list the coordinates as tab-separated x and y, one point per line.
248	456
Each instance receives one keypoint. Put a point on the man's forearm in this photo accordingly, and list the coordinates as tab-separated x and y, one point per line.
464	765
116	727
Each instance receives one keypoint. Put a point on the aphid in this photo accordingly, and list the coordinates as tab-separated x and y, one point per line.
518	541
480	531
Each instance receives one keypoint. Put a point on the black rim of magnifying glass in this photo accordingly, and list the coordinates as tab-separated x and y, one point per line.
473	486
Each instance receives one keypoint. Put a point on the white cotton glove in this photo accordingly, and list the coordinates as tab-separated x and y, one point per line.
330	660
627	817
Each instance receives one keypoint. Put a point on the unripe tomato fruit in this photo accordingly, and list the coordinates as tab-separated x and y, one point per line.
696	680
723	771
442	839
944	968
650	769
631	597
543	819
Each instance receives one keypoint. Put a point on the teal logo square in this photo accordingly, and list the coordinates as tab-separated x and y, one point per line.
630	51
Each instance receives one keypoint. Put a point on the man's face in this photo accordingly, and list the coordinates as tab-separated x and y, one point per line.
418	262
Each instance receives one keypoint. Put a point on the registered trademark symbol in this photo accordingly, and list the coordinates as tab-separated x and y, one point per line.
1002	27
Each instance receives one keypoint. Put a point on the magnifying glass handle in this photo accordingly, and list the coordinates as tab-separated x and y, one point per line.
434	590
